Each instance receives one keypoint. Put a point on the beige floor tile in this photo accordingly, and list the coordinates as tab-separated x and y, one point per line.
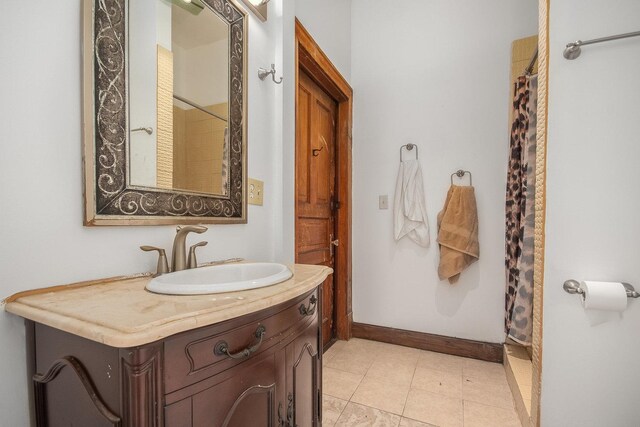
400	354
390	385
325	362
387	397
479	415
338	345
350	360
407	422
441	362
446	383
360	344
333	350
484	370
340	384
355	415
391	371
487	392
433	408
332	408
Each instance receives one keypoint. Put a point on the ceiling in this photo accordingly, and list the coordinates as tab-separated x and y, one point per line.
189	30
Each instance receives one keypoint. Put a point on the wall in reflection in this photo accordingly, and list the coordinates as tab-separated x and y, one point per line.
179	85
199	155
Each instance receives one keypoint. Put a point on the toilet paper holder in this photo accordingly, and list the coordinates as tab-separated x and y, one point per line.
573	287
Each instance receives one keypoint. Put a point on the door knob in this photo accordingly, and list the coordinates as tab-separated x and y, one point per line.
333	243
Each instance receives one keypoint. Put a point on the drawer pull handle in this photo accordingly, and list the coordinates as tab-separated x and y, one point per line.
222	347
311	309
289	421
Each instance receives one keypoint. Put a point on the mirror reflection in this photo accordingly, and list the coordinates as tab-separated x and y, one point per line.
178	96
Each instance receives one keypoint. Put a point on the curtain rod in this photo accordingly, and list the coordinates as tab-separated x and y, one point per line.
573	50
534	58
199	107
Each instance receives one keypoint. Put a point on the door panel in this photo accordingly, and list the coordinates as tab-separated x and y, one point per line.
246	399
315	185
312	241
302	363
323	164
302	145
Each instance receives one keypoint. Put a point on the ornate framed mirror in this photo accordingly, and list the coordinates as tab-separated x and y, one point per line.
164	112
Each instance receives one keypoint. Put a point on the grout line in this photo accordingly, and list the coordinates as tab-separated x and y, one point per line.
463	417
340	414
343	370
357	387
379	410
404	406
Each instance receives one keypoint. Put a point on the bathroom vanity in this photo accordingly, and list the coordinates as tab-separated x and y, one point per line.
110	353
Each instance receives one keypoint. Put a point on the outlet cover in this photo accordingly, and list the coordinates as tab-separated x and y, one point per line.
256	190
383	202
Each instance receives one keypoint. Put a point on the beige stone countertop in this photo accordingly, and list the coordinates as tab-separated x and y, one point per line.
119	312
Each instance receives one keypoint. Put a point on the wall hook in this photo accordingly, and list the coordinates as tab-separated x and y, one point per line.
263	73
316	151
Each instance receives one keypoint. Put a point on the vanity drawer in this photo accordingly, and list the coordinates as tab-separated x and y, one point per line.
200	354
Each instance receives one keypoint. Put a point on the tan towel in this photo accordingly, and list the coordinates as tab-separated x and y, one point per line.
458	233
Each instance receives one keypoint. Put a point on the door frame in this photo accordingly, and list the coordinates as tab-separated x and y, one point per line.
310	58
541	207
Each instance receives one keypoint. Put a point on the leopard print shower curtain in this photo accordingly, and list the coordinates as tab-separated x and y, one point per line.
520	213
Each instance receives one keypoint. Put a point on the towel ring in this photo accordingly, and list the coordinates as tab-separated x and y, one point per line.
460	173
409	147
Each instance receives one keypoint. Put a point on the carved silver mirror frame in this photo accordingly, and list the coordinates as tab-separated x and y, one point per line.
109	197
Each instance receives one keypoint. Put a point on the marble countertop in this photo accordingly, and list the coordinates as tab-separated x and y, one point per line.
120	313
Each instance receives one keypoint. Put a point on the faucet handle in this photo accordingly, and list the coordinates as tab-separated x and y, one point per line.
163	265
193	262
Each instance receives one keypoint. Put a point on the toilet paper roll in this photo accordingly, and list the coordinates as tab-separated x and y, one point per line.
609	296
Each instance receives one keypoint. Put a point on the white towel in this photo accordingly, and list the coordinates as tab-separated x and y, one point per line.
409	208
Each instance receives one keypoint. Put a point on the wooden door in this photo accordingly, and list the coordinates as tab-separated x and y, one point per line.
315	187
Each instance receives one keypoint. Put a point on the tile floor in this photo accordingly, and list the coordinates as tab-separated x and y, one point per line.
372	384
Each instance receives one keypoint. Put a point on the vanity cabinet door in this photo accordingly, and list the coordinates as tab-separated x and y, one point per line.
246	398
304	377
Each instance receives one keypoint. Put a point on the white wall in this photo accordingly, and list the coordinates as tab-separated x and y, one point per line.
590	372
144	36
435	73
42	240
329	23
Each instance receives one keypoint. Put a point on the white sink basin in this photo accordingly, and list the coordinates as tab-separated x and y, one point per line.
220	278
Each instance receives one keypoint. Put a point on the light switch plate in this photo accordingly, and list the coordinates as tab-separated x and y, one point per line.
256	190
383	202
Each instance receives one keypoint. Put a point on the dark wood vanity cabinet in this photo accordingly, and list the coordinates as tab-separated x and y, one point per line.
262	369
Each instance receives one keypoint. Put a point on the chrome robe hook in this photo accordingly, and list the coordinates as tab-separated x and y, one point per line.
263	73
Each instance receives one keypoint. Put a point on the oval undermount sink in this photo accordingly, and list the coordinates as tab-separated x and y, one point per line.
216	279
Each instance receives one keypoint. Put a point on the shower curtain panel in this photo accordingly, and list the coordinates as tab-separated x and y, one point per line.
520	212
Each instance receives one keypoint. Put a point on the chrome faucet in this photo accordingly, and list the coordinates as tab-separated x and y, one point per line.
179	257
